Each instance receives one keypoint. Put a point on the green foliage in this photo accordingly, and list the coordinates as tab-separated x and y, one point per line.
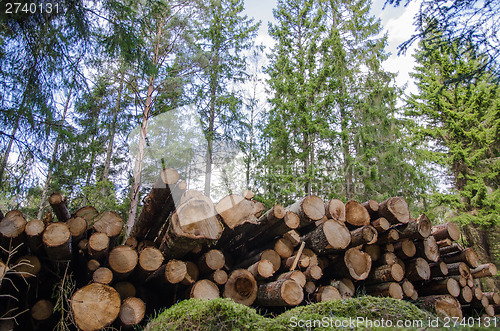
456	125
334	129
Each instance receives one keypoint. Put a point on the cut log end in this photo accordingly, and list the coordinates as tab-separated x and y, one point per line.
356	214
42	310
204	289
335	210
241	287
95	306
132	311
395	210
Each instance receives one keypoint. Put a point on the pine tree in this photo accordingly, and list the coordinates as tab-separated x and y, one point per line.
224	35
456	122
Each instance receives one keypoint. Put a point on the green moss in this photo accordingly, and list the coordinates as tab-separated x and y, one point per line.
207	315
371	308
224	314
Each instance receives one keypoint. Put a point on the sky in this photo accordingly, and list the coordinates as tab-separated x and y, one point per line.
396	22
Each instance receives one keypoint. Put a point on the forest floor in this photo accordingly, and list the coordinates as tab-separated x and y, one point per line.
362	313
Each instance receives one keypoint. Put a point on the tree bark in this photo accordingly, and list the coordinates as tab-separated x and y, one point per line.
389	289
34	230
309	209
446	231
326	293
59	207
415	229
417	269
335	210
158	205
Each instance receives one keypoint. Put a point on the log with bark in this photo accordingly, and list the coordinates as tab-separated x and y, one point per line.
219	277
447	286
210	261
417	269
428	249
12	231
372	207
390	289
381	224
309	209
27	266
109	223
387	273
446	231
158	205
364	235
122	260
34	231
235	211
298	276
468	256
405	249
150	260
345	286
77	227
329	237
102	275
443	305
98	246
335	210
395	210
484	270
355	264
193	224
262	269
42	310
415	229
438	269
58	204
87	212
57	242
285	292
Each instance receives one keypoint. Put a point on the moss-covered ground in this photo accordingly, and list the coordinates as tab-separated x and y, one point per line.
348	314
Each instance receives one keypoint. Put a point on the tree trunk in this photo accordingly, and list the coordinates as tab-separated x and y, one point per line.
150	260
372	207
134	198
428	249
439	269
381	224
6	155
387	273
111	136
285	292
262	269
95	306
78	228
210	261
54	156
219	277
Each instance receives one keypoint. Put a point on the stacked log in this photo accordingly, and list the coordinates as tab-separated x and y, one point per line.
184	246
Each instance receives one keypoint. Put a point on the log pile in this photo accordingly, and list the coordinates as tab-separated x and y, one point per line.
184	246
